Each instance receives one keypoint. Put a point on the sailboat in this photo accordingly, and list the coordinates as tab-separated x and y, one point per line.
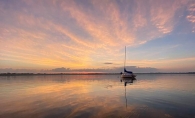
127	74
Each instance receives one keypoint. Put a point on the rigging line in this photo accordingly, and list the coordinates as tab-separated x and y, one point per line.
125	58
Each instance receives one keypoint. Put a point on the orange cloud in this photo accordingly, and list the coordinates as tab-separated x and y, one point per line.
163	15
191	16
61	34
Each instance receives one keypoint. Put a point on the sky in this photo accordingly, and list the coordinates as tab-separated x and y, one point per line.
92	34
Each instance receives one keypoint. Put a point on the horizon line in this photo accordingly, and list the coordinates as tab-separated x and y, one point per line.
87	73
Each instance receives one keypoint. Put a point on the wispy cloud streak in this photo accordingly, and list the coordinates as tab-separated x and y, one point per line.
84	34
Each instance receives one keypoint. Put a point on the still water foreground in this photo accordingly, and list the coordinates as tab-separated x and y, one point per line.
156	95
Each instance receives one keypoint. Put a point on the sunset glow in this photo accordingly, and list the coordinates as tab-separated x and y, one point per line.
48	34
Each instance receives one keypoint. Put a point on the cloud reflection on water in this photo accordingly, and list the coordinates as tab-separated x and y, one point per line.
95	96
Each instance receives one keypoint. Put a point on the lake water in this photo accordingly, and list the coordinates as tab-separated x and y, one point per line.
150	95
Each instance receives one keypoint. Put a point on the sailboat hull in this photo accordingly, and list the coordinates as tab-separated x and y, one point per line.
124	75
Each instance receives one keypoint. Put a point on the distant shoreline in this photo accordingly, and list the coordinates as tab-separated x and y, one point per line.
26	74
81	73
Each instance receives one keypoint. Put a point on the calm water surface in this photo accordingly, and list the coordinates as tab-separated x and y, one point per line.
160	95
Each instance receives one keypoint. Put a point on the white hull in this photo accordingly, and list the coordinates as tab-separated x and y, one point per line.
127	75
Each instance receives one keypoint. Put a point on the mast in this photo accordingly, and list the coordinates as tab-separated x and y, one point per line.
125	58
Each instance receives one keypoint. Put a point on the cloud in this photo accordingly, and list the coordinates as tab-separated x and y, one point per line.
10	70
191	16
164	17
108	63
82	34
61	69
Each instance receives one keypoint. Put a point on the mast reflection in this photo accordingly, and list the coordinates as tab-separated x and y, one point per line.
127	81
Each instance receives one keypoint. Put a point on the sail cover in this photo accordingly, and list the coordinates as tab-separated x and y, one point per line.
127	71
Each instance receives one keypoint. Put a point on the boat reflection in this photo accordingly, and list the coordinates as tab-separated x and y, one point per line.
127	80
